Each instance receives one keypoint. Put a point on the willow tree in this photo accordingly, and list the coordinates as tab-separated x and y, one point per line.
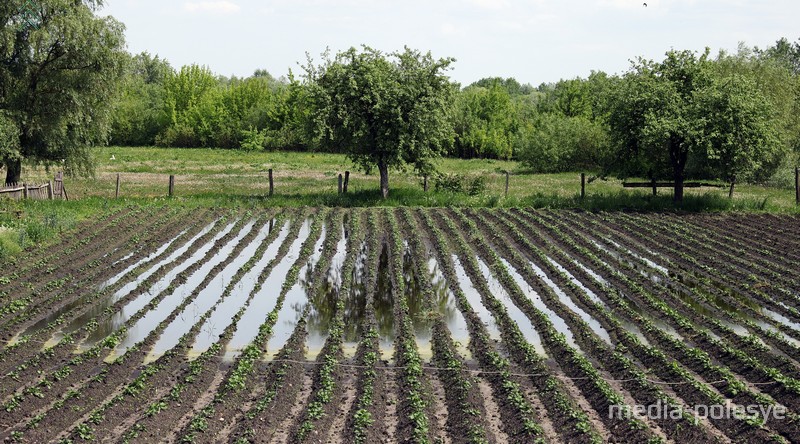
383	110
60	64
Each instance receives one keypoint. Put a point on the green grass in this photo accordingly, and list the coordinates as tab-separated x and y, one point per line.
231	178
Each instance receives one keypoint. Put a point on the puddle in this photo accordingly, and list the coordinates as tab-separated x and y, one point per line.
263	302
526	327
739	329
777	317
634	330
591	273
383	304
322	309
223	315
355	305
111	325
150	257
206	298
564	299
474	299
647	261
294	304
145	325
446	304
577	282
694	304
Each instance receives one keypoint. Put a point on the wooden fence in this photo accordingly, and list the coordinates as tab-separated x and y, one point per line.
48	191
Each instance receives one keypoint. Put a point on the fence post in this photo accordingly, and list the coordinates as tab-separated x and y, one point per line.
655	188
49	190
346	180
271	185
797	185
116	194
425	183
340	183
507	178
583	185
730	192
171	185
24	190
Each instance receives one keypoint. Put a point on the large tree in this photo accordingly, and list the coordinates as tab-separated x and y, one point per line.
668	114
59	65
383	110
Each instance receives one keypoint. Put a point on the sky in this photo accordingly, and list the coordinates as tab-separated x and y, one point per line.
534	41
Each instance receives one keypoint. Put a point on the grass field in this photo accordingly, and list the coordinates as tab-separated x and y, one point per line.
228	178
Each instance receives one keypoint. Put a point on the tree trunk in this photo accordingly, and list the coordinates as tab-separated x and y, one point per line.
383	168
678	198
14	171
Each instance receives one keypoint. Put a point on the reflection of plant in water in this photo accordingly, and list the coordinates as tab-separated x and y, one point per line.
383	300
421	317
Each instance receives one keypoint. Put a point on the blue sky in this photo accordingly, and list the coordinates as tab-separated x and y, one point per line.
534	41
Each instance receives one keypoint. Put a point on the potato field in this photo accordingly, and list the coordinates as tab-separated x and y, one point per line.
166	324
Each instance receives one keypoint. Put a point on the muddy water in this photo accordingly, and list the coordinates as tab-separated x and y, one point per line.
152	256
96	309
528	330
355	305
223	315
263	302
294	304
566	300
206	298
145	325
474	299
576	282
322	309
777	317
448	307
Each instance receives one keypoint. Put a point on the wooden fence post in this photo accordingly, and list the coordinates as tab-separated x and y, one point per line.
24	190
507	178
425	183
346	180
583	185
730	192
797	185
171	185
271	184
340	183
49	190
655	188
116	194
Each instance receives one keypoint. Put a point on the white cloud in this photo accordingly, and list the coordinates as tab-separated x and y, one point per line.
450	29
490	4
221	7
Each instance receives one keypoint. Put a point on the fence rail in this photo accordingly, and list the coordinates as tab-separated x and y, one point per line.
47	191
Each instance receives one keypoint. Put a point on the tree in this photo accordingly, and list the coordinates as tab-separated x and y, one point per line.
384	111
59	66
737	126
681	110
485	122
555	143
654	116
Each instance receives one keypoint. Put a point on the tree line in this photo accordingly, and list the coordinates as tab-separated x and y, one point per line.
732	117
67	83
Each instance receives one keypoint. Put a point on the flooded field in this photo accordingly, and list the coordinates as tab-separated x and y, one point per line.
402	325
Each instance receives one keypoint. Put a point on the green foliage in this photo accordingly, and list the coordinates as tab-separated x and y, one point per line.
57	78
557	143
679	114
485	122
384	111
